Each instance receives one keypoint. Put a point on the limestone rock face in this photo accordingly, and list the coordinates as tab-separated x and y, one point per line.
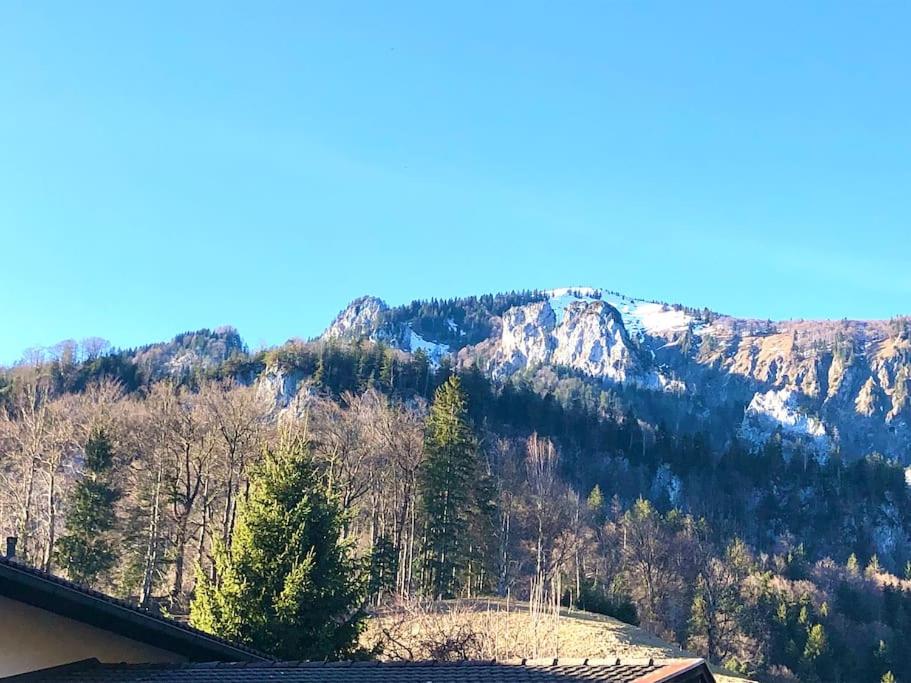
526	338
592	339
360	319
780	409
824	383
589	337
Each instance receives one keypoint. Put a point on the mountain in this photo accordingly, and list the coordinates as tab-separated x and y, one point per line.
713	478
187	352
829	386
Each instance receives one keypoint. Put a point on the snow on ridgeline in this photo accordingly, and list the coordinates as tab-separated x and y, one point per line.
560	298
640	317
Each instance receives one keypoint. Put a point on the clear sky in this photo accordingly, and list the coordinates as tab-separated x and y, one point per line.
167	166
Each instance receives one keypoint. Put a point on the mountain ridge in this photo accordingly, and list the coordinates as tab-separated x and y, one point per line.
832	385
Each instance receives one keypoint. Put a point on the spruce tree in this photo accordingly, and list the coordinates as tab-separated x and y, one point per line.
873	567
853	566
86	551
288	585
816	642
595	505
448	480
388	370
595	500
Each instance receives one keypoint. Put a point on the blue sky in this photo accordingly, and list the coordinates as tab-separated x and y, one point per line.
168	165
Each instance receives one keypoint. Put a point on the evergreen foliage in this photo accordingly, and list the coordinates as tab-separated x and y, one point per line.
458	322
288	586
86	551
448	488
738	557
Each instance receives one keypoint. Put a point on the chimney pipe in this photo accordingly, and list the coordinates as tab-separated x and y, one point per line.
11	547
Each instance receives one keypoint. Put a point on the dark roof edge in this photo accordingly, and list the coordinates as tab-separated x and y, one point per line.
41	674
67	599
683	671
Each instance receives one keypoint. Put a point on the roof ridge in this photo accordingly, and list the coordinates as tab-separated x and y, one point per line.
133	608
372	671
546	662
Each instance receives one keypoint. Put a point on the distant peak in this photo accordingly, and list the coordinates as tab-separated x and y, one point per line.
367	301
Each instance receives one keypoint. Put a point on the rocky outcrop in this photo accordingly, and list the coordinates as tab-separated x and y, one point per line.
589	338
781	409
822	383
286	391
361	319
188	353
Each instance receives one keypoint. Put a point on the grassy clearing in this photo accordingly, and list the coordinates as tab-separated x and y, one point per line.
495	629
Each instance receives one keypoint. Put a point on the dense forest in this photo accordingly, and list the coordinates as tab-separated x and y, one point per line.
428	482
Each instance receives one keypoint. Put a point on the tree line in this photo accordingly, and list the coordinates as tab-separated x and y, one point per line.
423	481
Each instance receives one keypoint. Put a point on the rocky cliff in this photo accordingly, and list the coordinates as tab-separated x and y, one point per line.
827	384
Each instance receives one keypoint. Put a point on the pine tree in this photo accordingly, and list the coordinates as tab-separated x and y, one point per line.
422	371
86	551
383	568
873	567
853	566
595	505
288	585
815	650
388	370
595	501
447	487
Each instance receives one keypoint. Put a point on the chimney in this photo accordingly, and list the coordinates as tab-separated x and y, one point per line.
11	547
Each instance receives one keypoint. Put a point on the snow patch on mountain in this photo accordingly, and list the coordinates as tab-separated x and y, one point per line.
658	381
647	317
435	352
640	317
774	409
854	375
661	319
584	329
564	296
583	292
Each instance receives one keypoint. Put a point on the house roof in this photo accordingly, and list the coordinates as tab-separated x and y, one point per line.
557	671
46	591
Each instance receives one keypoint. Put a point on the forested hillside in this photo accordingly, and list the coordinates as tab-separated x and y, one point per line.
129	470
826	386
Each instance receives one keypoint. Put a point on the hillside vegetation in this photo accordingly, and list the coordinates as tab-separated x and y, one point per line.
497	628
132	471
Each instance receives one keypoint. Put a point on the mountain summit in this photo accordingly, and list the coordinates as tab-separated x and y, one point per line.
830	385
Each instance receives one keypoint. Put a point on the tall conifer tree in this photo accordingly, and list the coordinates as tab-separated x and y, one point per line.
288	585
86	551
448	480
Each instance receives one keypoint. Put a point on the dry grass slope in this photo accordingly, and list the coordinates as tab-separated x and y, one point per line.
495	629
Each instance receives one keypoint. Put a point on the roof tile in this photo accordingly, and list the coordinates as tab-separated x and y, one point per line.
92	671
